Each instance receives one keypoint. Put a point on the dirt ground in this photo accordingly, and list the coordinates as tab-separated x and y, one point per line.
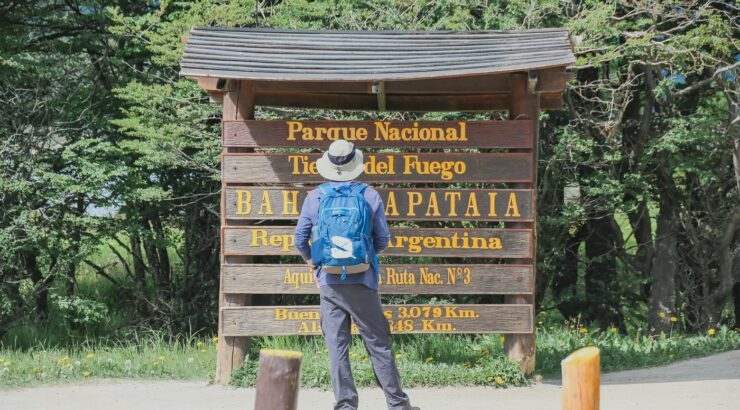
708	383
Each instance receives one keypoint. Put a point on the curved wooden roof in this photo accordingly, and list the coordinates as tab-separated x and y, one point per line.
319	55
380	70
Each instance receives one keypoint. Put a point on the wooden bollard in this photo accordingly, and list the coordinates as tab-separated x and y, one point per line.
278	380
581	379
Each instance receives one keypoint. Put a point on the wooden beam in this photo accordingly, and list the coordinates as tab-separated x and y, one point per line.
405	204
258	240
304	320
550	81
238	104
379	89
524	105
397	102
378	134
395	279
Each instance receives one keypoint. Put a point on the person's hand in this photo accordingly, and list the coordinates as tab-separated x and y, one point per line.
311	271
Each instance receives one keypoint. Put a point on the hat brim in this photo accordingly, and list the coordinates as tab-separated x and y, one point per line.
346	172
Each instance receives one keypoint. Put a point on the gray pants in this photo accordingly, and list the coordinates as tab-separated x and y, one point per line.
339	303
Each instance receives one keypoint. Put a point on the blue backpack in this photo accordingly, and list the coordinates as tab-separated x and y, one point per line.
341	240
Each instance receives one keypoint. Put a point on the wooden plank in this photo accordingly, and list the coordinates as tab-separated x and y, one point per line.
381	134
430	279
551	81
399	102
284	203
438	167
445	242
305	320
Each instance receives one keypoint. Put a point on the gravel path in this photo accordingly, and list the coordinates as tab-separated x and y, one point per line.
708	383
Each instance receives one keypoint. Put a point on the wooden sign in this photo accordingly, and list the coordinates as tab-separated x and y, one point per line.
394	279
305	320
447	242
379	134
440	167
400	203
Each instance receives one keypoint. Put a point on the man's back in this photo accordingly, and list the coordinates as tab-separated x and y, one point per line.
379	232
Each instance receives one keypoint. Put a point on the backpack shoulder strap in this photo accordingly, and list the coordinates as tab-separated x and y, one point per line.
359	188
325	188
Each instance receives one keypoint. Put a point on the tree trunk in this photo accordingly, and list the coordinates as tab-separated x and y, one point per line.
41	293
602	290
663	289
736	301
565	282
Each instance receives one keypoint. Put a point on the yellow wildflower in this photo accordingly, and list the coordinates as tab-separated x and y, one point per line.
466	365
661	315
712	332
583	330
215	339
502	339
199	344
674	319
499	380
7	363
429	359
90	356
613	329
161	358
86	374
204	350
398	355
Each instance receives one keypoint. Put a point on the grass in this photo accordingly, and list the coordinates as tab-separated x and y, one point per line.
148	355
423	360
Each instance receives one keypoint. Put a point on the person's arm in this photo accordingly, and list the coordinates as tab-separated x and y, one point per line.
381	234
303	229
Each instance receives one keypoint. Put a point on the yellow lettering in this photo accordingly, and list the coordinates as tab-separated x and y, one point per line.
453	197
492	203
390	208
293	127
414	200
259	235
472	206
243	202
290	202
266	207
513	208
433	208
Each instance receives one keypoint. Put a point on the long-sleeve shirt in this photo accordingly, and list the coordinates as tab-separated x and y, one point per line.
380	234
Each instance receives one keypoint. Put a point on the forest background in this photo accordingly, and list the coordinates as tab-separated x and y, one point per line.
109	167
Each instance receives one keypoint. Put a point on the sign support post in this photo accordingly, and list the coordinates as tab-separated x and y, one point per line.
231	351
525	104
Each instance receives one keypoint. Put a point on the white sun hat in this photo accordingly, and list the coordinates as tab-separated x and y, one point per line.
341	162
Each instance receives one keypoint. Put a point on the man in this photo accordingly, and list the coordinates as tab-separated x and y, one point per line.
348	291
